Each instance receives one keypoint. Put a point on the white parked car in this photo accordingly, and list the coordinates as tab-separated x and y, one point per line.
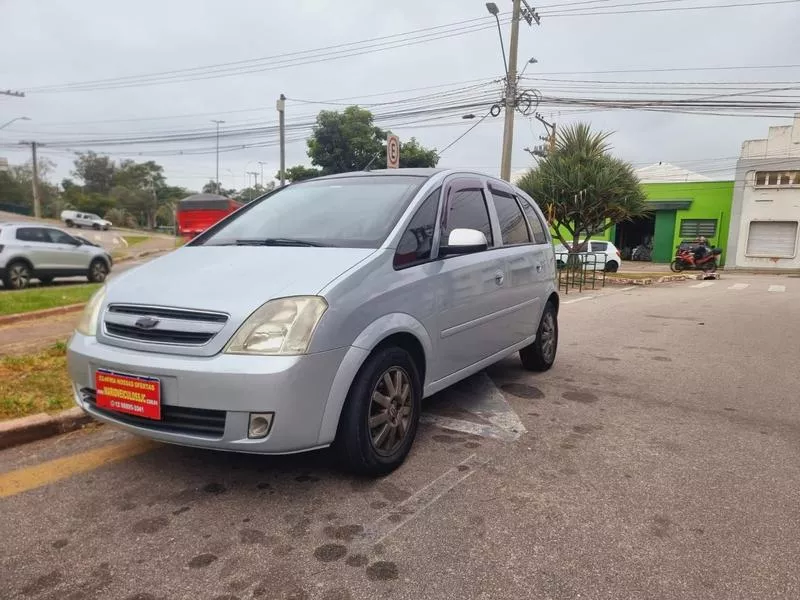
600	255
74	218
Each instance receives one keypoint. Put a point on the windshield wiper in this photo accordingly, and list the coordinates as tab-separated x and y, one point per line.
277	242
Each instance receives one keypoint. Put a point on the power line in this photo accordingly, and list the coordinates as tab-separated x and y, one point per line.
600	10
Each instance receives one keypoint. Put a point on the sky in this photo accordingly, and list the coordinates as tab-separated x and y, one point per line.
47	44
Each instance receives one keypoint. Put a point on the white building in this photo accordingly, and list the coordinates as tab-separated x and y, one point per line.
766	202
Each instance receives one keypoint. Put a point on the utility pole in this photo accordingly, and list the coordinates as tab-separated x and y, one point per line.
255	179
37	203
530	16
261	164
218	122
281	106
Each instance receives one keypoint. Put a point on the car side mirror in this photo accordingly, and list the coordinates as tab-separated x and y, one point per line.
464	241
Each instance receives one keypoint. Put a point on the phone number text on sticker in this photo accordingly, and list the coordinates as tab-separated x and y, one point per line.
137	396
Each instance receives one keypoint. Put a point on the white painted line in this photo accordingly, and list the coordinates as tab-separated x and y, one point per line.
464	426
410	508
704	284
628	289
777	288
739	286
578	300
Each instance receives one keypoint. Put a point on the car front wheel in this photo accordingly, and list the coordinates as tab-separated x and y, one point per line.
381	414
541	354
612	267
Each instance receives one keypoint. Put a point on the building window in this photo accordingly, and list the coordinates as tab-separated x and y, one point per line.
693	228
772	239
777	178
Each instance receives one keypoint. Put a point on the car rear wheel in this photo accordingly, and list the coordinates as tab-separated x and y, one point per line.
18	276
96	227
541	354
612	267
70	223
381	414
98	271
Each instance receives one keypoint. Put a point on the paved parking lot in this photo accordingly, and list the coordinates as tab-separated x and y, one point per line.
658	459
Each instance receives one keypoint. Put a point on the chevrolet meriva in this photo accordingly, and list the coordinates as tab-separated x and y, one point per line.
322	314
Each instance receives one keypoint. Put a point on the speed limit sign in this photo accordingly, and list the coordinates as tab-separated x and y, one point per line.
392	152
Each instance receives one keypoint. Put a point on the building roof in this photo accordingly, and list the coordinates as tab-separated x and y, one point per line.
666	173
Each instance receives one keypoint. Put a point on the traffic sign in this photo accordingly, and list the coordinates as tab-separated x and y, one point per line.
392	152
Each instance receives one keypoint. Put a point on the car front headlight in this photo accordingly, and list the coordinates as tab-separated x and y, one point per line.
91	313
280	327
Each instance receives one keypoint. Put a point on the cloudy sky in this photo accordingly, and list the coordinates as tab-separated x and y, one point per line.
441	65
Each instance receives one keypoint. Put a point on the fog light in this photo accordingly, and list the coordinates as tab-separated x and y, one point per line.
260	424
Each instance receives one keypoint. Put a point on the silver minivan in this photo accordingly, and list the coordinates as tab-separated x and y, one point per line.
322	314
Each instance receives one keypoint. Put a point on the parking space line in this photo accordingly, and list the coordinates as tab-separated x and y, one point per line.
411	508
777	288
739	286
628	289
703	284
35	476
581	299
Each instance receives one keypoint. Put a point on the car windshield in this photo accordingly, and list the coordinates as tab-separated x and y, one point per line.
347	212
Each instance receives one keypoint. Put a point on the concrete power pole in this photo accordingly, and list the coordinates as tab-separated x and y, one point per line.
218	123
37	202
511	95
281	106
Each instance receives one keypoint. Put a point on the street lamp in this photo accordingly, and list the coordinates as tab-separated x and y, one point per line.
218	123
494	11
4	125
531	61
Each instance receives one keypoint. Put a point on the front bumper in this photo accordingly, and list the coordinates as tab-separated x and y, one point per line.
207	402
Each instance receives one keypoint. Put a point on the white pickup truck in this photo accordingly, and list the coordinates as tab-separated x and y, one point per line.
74	218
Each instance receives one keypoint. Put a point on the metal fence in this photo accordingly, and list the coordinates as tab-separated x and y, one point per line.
580	270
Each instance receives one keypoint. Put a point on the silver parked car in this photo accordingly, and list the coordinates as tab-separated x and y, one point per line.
30	251
322	314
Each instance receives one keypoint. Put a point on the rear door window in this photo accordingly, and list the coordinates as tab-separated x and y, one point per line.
512	222
599	246
32	234
59	237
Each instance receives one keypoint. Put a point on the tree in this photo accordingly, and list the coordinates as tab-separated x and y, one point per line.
413	155
211	188
96	172
582	188
299	173
350	141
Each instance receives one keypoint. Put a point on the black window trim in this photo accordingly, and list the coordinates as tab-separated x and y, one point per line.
495	189
436	231
521	201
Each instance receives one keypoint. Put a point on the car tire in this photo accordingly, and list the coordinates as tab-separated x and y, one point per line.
96	227
612	266
98	271
69	223
18	275
373	414
541	354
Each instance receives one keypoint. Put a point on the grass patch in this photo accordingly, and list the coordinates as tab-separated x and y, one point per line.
40	298
35	383
135	239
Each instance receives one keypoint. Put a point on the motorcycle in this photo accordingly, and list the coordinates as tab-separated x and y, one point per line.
685	261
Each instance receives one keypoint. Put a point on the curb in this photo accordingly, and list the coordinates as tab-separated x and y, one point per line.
37	427
648	281
41	314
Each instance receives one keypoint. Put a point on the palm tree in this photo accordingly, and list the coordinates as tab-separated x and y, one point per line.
582	188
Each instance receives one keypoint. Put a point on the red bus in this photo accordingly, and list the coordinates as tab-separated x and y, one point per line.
198	212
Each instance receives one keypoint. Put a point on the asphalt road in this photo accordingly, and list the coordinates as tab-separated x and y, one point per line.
660	458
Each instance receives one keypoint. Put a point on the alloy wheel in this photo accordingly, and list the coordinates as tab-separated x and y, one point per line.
548	336
390	411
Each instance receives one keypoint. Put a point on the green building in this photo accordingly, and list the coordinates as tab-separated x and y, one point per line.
684	205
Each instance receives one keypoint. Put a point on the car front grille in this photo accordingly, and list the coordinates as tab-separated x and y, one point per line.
199	422
160	325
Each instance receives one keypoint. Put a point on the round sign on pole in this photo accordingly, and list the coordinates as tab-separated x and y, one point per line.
392	152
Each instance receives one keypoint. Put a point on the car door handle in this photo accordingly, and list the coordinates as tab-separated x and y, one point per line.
499	278
538	268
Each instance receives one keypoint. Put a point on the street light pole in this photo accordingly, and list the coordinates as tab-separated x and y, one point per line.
4	125
218	123
261	164
281	106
